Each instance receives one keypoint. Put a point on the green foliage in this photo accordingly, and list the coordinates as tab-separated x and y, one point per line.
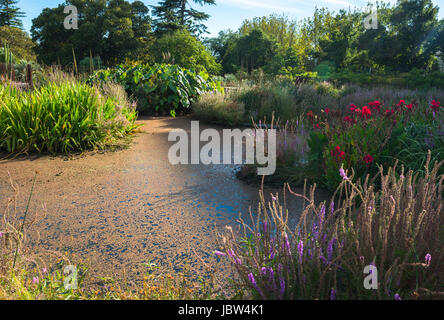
183	49
395	226
220	109
18	41
10	14
111	29
262	101
161	88
414	79
173	15
61	119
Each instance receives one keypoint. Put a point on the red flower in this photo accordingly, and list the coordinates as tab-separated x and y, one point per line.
409	106
366	112
401	103
336	152
310	114
435	105
327	110
389	112
368	159
377	104
353	107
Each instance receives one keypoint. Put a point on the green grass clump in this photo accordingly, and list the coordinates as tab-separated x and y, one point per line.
61	118
218	108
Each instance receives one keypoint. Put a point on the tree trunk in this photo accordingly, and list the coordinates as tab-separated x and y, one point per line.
182	12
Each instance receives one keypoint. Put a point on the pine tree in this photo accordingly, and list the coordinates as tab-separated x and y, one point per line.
10	14
175	14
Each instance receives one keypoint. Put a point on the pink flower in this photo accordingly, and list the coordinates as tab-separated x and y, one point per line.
343	174
428	259
35	280
219	254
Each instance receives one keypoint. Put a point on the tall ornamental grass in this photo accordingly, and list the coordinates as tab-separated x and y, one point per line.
398	228
61	118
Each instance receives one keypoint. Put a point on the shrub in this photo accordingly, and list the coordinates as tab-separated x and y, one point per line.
183	49
218	108
161	88
361	138
61	118
415	79
262	101
398	228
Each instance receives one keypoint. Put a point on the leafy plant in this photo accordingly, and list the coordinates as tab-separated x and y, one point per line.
61	118
160	88
397	228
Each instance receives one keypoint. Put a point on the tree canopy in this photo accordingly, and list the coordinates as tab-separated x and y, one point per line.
112	29
19	42
10	14
182	48
178	14
408	36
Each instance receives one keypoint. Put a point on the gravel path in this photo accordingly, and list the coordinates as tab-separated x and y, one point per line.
120	210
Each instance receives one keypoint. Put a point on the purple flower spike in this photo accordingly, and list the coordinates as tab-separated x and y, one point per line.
282	288
252	280
300	248
333	294
330	248
428	259
397	297
287	243
321	219
219	254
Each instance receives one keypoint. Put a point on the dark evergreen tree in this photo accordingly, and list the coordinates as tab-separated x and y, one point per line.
10	14
176	14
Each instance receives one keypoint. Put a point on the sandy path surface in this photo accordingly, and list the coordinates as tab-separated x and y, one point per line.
119	210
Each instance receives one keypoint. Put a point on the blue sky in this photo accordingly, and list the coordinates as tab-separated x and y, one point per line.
229	14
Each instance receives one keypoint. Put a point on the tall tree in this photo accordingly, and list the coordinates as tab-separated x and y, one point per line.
413	23
111	29
10	14
176	14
